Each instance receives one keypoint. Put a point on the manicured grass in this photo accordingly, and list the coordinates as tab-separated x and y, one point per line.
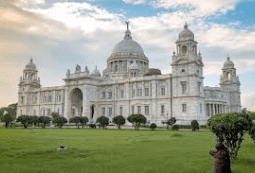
111	150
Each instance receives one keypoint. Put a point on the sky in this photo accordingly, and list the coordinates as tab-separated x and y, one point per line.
59	34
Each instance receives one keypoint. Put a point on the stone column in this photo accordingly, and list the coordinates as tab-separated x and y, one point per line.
210	109
216	110
213	109
67	104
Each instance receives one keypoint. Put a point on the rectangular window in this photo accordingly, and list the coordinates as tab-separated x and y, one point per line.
133	92
162	109
121	110
139	92
146	110
184	107
162	91
110	95
122	94
110	111
49	98
22	99
146	91
59	98
43	112
133	109
116	67
139	109
183	84
103	111
48	112
199	86
200	108
103	95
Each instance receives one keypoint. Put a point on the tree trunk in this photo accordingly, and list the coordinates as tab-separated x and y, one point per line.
6	124
118	126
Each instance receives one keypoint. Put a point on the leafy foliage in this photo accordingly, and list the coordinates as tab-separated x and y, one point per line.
25	120
229	129
176	127
119	120
194	125
137	119
7	118
83	121
75	120
34	120
58	119
103	121
170	122
251	115
252	133
44	120
92	126
153	126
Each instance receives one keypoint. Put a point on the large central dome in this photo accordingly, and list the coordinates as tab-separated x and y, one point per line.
127	46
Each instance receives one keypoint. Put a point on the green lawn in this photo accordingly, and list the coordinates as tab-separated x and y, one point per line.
111	150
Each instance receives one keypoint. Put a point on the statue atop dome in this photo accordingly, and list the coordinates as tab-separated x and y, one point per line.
127	24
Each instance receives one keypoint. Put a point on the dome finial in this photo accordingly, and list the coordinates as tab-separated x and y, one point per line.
127	24
186	25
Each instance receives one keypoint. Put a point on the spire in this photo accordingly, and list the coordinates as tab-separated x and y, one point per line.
31	60
228	57
186	25
127	33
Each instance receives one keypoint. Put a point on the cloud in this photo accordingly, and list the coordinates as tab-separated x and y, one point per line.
248	100
134	1
198	7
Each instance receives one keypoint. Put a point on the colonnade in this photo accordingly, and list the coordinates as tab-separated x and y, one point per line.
122	65
213	108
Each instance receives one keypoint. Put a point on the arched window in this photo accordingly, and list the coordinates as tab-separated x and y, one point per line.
110	94
184	50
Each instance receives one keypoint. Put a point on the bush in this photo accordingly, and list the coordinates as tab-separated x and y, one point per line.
7	119
170	122
83	121
175	127
34	120
25	120
137	119
185	126
119	120
229	129
194	125
252	133
58	119
92	126
44	120
75	120
153	126
103	121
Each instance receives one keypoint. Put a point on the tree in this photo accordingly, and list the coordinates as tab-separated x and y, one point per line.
44	120
34	120
58	119
251	115
12	110
244	110
103	121
170	122
7	118
153	126
25	120
119	120
229	129
75	120
137	119
83	121
194	125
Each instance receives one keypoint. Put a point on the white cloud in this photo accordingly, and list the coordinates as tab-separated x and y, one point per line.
248	100
134	1
198	7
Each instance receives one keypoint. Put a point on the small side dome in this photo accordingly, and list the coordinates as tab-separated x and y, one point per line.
31	65
186	33
228	64
96	72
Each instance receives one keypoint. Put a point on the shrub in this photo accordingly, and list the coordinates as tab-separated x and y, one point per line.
153	126
103	121
119	120
229	129
44	120
92	126
175	127
7	119
252	133
25	120
137	119
194	125
58	119
83	121
170	122
185	126
34	120
75	120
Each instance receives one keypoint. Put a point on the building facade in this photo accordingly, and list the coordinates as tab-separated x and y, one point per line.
128	86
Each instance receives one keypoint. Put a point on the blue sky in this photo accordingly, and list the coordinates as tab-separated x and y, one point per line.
59	34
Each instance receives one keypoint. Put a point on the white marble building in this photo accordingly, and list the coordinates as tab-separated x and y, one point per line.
129	86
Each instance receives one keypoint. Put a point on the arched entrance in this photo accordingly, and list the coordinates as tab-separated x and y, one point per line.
92	111
76	102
